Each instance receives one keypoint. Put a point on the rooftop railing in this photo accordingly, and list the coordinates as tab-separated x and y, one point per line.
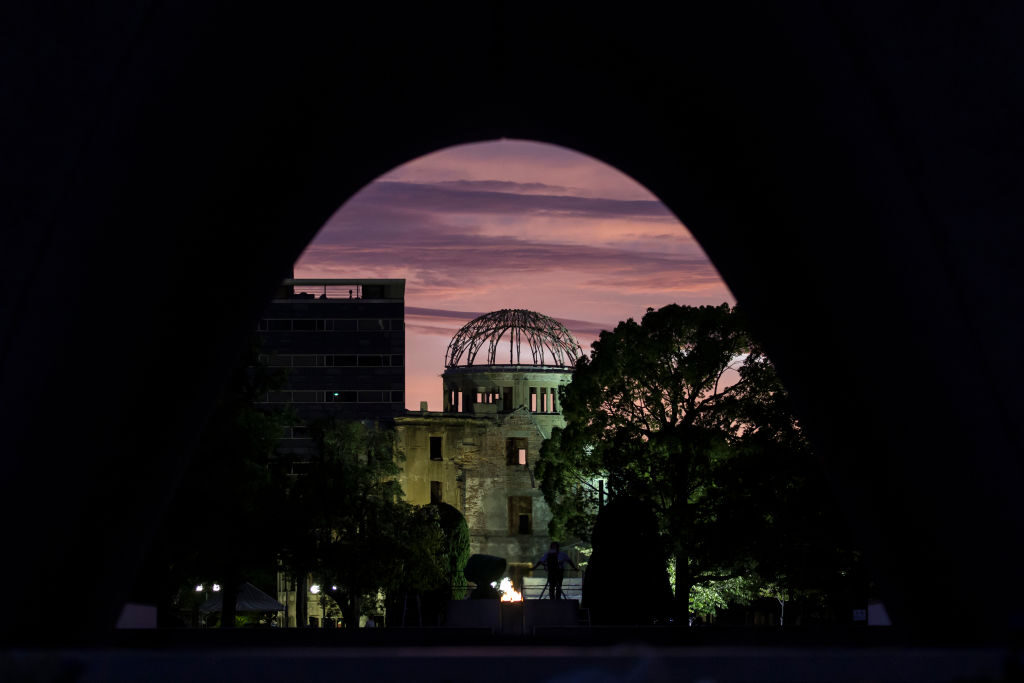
330	289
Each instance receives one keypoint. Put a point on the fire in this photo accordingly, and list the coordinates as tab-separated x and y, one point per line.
507	592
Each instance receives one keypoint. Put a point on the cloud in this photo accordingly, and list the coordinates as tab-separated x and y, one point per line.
464	316
522	161
503	186
445	260
453	197
443	323
519	224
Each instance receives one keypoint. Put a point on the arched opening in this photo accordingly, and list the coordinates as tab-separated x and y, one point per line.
789	142
500	225
511	224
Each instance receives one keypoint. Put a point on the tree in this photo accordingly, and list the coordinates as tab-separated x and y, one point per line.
216	528
456	548
684	413
351	528
626	581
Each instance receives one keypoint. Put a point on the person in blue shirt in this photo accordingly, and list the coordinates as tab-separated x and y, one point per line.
554	562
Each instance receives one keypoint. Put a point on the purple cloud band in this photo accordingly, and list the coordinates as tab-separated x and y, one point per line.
493	197
456	319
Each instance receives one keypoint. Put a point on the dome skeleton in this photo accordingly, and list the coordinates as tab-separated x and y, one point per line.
544	336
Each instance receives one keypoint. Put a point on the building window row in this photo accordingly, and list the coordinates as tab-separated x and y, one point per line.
335	396
330	325
543	400
309	360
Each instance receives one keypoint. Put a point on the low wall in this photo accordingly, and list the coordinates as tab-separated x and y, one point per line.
511	618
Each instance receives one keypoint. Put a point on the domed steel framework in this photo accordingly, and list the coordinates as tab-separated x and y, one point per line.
546	338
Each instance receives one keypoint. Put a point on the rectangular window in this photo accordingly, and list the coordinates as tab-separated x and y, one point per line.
340	397
515	451
435	448
279	325
506	399
373	361
533	400
304	360
304	325
372	325
435	492
279	397
342	325
398	360
304	397
520	515
397	396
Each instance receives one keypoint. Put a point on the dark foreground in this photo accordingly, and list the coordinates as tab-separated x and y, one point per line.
551	655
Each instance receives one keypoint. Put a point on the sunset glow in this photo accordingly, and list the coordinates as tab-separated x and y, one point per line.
511	224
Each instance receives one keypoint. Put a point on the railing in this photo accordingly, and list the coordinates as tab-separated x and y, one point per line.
533	586
343	291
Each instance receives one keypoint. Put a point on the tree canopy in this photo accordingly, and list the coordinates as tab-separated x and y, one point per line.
350	526
684	413
221	525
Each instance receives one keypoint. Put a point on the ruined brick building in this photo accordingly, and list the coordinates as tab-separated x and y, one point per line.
500	396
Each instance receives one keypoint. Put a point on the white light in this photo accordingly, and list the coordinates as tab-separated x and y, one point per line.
334	588
494	584
199	588
315	588
216	587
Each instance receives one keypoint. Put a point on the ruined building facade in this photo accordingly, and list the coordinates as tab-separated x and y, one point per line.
500	397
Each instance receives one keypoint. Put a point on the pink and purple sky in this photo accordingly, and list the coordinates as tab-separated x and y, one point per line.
511	224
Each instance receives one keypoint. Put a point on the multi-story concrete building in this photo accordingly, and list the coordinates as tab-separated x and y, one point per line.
343	343
500	397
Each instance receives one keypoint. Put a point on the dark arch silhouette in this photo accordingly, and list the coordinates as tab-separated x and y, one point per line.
852	172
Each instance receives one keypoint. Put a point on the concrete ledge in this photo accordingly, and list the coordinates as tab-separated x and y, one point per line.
470	665
474	614
547	613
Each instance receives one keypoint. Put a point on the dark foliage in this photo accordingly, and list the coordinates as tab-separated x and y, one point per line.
684	414
626	581
221	525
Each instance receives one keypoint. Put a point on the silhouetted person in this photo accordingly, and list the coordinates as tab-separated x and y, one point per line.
554	562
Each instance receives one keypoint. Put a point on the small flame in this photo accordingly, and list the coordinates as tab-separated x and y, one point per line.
507	593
